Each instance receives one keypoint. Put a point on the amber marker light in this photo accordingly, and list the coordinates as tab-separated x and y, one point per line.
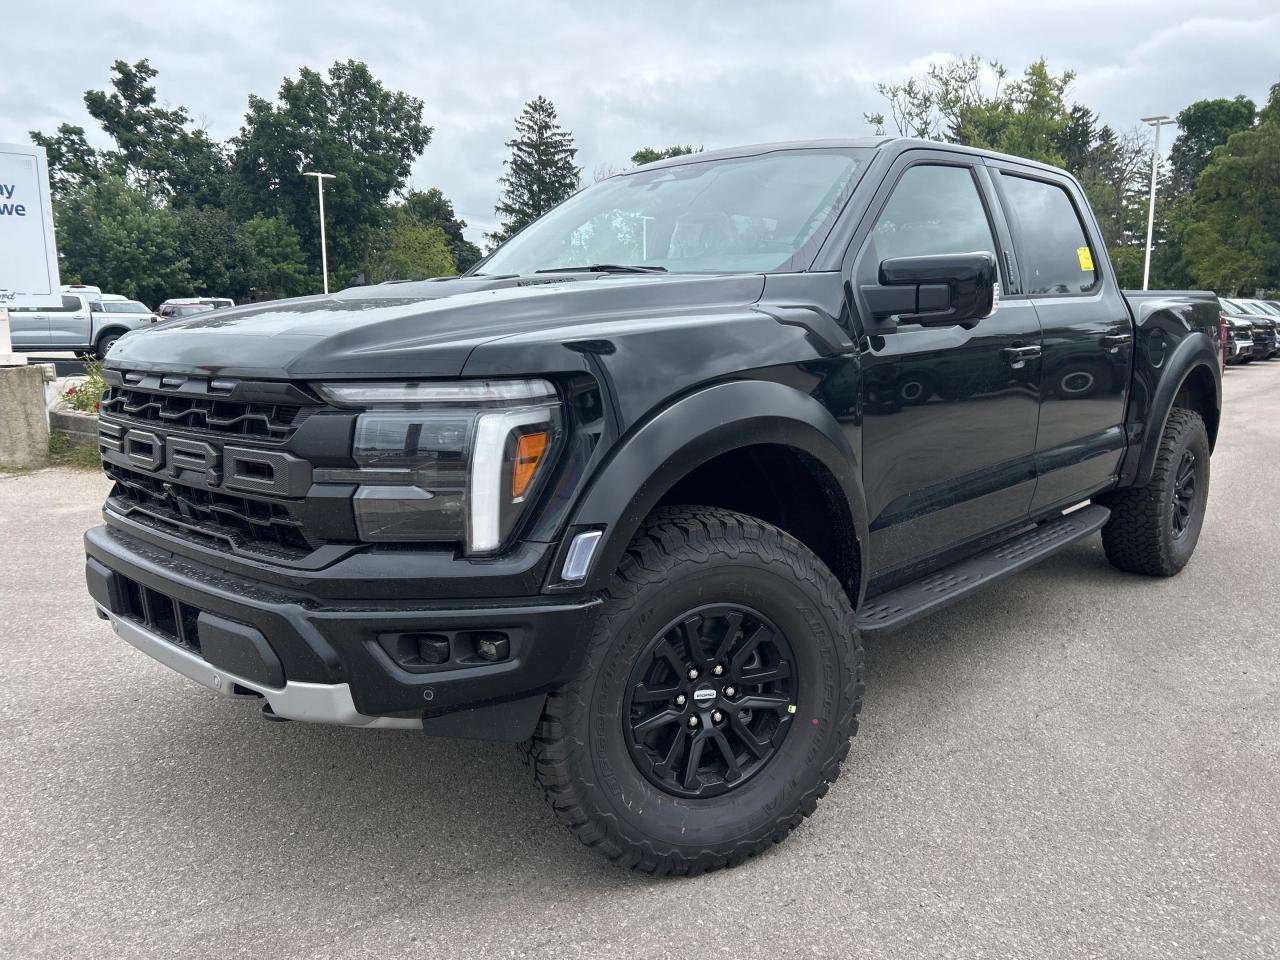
529	450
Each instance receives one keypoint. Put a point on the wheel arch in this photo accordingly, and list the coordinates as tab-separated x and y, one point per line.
1192	379
705	436
116	328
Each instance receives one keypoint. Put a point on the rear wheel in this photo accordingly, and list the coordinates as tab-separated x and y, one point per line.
716	702
1154	529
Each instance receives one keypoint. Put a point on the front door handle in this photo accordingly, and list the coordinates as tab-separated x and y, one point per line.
1114	341
1018	356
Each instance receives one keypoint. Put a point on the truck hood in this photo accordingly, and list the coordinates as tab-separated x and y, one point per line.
426	328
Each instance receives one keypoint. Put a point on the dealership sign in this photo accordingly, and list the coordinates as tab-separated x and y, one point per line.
28	253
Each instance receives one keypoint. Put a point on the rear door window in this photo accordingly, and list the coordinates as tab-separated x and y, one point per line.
1054	253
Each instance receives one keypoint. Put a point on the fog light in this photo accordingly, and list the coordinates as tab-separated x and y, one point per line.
433	648
415	650
493	646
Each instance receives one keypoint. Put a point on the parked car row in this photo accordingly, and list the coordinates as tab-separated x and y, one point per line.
89	322
1252	330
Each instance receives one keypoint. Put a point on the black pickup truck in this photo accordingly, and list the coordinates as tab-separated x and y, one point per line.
631	492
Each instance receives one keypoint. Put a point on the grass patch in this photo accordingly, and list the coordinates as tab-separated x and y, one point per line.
64	453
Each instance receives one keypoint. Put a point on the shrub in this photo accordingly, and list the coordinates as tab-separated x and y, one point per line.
86	396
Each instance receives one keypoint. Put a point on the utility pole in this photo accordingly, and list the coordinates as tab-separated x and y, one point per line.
324	247
1156	122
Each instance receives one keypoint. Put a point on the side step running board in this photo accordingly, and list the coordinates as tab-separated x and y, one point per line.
906	603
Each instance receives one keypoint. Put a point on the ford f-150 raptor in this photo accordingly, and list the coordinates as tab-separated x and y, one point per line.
630	492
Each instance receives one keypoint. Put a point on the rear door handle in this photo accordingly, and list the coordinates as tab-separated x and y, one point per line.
1116	340
1018	356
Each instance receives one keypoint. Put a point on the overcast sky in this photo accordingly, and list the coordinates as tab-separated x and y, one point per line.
652	73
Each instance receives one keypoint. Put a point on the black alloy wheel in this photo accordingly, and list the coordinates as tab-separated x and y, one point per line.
710	700
1184	494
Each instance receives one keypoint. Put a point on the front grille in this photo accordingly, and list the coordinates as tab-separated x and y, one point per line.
160	613
211	460
241	522
204	414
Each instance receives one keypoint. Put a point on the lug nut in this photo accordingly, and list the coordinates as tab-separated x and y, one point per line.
717	669
681	699
693	673
693	721
729	691
716	716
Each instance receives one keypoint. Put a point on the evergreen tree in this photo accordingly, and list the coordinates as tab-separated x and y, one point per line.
540	173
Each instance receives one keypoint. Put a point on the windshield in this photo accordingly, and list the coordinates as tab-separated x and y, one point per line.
745	214
187	309
125	306
1263	308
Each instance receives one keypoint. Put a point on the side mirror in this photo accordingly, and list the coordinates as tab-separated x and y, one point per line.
937	291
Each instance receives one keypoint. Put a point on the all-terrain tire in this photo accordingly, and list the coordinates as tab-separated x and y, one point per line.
684	557
1140	536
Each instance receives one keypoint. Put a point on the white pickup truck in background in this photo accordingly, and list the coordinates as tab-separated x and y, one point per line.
86	322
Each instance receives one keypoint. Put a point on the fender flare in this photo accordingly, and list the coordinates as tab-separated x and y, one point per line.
695	429
1189	355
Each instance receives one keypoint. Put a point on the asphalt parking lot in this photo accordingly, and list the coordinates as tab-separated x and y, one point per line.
1074	763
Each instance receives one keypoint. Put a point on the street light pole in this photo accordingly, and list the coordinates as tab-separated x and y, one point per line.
324	247
1156	122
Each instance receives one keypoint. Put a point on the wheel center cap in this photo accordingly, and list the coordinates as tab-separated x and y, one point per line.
704	696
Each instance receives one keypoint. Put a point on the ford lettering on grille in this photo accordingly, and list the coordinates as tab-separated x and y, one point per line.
199	462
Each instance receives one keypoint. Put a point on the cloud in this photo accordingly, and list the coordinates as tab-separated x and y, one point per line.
624	77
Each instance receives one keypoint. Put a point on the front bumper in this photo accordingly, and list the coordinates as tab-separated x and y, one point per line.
293	700
338	662
1237	350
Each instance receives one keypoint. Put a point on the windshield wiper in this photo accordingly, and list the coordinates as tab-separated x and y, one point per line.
604	268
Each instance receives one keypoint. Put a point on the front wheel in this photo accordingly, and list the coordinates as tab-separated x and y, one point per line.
1154	529
721	686
104	344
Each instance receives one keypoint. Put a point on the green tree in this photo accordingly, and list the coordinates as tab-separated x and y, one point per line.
541	171
279	264
432	207
156	148
220	257
73	164
971	102
652	154
1127	262
347	124
1203	127
1232	244
112	236
411	250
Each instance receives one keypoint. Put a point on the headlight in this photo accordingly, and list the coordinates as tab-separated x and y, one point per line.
448	462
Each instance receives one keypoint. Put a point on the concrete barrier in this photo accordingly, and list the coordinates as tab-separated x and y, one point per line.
24	426
80	428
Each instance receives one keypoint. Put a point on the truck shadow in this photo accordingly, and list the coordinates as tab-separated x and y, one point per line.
323	804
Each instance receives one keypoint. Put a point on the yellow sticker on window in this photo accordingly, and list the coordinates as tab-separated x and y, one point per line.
1086	259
